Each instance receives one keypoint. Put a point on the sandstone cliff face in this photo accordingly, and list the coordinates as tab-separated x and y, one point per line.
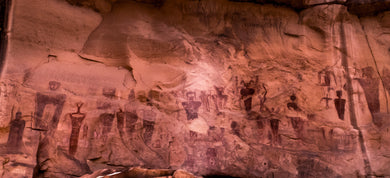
212	87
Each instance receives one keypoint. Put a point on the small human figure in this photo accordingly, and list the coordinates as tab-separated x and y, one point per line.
211	155
275	130
337	138
131	113
85	131
235	128
77	118
191	106
262	98
246	95
236	87
220	98
297	123
205	100
214	134
15	137
325	76
327	98
193	136
340	104
120	122
274	123
293	104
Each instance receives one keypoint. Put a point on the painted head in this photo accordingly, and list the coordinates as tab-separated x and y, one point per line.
368	72
109	92
54	85
293	97
18	115
191	96
219	90
339	93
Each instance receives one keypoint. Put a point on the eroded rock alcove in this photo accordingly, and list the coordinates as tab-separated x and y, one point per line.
265	88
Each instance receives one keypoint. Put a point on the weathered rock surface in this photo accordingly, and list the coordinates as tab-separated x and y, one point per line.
358	7
140	172
211	87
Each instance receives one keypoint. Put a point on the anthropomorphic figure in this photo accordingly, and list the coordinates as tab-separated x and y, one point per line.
15	137
211	155
293	105
131	114
77	118
120	122
325	77
204	98
327	98
339	103
274	123
107	108
235	128
370	85
45	99
246	95
215	135
106	119
191	106
149	119
220	98
262	98
297	124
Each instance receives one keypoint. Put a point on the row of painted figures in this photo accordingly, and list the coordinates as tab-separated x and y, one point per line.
368	78
126	120
245	91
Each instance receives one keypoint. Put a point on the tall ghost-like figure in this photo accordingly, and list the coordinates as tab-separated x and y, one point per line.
44	99
77	119
131	113
149	118
370	85
108	108
15	137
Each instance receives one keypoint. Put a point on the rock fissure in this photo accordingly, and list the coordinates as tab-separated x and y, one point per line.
350	91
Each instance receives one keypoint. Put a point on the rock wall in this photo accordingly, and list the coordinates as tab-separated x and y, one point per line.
212	87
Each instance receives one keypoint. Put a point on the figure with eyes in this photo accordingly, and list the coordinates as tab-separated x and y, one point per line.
44	99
